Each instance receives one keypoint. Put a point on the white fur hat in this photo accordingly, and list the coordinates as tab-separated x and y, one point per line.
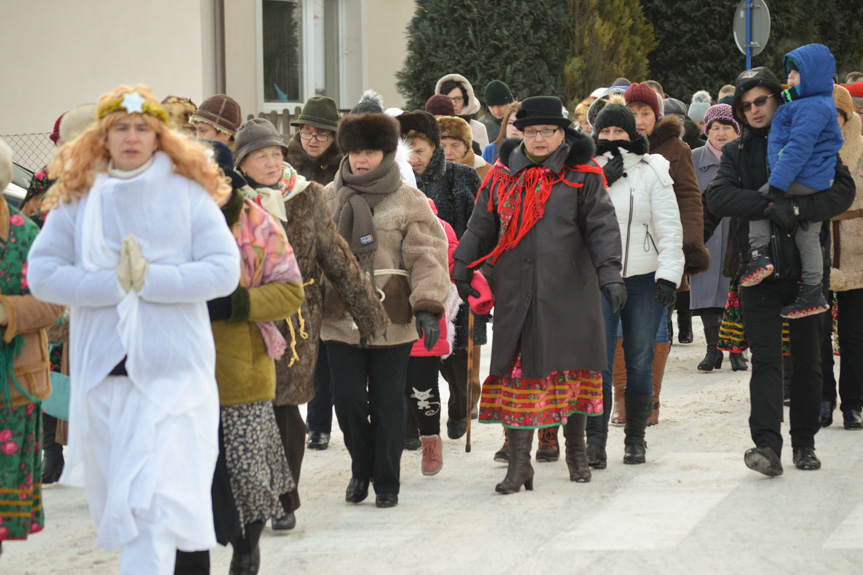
6	170
75	121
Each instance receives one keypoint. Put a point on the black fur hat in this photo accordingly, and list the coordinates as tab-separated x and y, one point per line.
422	123
358	132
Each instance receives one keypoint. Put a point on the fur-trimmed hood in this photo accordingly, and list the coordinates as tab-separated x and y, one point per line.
473	106
581	151
666	128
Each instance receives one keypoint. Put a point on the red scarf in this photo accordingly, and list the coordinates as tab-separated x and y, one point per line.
521	201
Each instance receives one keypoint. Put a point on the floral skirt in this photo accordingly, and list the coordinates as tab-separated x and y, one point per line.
732	333
21	511
257	466
515	401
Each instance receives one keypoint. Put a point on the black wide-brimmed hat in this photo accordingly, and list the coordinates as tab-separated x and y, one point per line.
541	110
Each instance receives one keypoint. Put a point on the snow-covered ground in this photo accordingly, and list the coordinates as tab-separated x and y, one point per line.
693	508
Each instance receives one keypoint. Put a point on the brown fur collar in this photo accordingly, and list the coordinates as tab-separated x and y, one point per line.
667	128
581	148
305	164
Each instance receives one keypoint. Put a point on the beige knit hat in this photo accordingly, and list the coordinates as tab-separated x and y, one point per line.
455	127
220	111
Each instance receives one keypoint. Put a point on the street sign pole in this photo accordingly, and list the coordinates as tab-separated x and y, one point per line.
748	34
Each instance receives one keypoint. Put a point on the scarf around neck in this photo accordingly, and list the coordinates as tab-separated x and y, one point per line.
273	198
357	195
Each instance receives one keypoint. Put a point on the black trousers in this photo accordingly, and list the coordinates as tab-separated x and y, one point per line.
851	343
368	392
292	430
761	306
319	411
454	371
423	394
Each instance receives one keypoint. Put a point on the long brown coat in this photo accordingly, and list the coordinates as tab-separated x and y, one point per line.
547	288
847	263
319	249
665	141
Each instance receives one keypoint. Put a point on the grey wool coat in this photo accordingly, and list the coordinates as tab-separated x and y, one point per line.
547	288
319	249
710	289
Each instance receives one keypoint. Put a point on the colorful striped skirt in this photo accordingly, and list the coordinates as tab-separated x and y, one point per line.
515	401
732	331
21	511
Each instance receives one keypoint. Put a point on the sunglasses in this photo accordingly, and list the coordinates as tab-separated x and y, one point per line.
758	102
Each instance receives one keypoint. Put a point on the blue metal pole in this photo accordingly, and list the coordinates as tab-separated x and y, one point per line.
748	34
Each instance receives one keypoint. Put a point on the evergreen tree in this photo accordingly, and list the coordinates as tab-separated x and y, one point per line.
520	43
610	39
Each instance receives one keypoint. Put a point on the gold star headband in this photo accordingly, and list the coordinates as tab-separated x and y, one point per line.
132	103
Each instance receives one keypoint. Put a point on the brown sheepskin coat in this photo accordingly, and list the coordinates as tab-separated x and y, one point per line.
322	169
847	265
319	249
665	141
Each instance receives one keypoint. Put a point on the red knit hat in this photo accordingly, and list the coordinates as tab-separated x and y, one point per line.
55	135
440	105
641	92
856	90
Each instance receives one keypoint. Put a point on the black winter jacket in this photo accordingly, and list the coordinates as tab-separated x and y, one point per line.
734	192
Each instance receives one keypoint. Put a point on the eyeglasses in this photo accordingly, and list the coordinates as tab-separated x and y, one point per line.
546	133
318	137
456	99
746	106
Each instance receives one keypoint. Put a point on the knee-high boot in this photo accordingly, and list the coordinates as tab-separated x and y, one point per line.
660	358
618	382
597	434
247	554
519	471
52	463
576	453
638	409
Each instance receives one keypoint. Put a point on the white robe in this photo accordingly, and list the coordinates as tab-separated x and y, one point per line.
163	331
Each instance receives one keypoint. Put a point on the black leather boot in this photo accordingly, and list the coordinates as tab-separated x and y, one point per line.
247	554
738	362
713	359
519	471
597	434
576	452
684	318
638	410
52	452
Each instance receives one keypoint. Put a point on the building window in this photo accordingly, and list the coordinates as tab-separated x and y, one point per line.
281	34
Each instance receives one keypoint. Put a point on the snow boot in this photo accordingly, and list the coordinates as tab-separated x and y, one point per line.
576	452
660	358
519	471
618	382
810	301
713	359
597	434
432	454
758	268
638	409
547	449
502	455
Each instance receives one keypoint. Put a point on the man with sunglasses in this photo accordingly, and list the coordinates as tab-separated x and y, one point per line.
739	191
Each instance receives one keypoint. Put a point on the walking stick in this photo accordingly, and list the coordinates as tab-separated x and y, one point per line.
469	406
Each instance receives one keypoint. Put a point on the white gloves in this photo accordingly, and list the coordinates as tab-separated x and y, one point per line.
132	270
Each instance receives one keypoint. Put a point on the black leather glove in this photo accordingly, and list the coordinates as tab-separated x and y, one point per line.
616	296
219	308
665	292
613	169
781	213
427	323
464	290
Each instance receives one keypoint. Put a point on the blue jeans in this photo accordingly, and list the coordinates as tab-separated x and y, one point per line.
640	319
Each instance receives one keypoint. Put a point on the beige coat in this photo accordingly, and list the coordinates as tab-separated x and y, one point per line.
846	271
410	240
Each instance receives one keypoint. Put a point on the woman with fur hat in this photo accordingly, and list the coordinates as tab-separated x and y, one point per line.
301	207
399	243
650	229
136	246
452	187
466	105
846	275
709	291
544	371
24	379
457	144
313	150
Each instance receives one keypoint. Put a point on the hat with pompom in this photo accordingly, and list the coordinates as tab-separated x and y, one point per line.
699	105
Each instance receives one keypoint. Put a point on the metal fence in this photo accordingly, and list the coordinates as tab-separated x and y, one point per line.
32	151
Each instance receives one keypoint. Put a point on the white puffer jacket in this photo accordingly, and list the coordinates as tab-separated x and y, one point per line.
646	208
